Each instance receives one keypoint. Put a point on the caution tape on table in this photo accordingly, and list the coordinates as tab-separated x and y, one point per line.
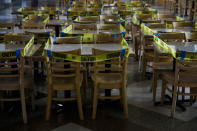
19	52
77	58
36	12
46	20
124	52
166	49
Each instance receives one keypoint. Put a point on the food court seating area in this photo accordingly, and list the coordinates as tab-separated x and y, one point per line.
99	65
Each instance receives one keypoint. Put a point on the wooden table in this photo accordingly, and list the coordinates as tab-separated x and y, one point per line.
86	49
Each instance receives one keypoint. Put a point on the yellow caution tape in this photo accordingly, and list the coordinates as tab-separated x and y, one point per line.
163	47
36	12
46	20
18	53
29	44
166	49
77	58
70	57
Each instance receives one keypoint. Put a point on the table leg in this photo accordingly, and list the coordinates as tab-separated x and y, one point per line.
107	91
57	30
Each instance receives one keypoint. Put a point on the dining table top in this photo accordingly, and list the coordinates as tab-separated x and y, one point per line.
86	49
57	22
190	47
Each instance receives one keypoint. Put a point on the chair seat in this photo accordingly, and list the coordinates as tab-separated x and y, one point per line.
162	65
184	81
14	84
108	78
66	83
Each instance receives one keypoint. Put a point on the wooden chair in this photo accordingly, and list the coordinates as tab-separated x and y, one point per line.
172	37
151	21
185	76
69	40
17	39
108	27
145	16
7	26
33	25
58	80
164	16
93	11
84	27
85	22
157	25
87	18
38	17
183	25
107	38
107	17
165	64
116	79
15	77
192	36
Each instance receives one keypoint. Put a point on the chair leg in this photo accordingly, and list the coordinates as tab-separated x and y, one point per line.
124	97
144	64
95	102
33	99
163	92
183	91
154	84
23	104
1	102
49	103
174	101
121	99
79	104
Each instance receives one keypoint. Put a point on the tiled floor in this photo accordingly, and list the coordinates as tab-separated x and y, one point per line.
143	115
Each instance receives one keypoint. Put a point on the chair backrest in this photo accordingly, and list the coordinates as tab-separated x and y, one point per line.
186	69
61	69
192	36
164	16
86	18
145	16
151	21
108	27
38	17
118	65
138	9
12	68
33	25
84	27
78	9
183	24
103	38
112	17
68	40
17	39
7	25
157	25
85	22
169	37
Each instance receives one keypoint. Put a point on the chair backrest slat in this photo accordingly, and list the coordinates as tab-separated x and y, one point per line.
57	68
68	40
173	37
107	38
84	27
